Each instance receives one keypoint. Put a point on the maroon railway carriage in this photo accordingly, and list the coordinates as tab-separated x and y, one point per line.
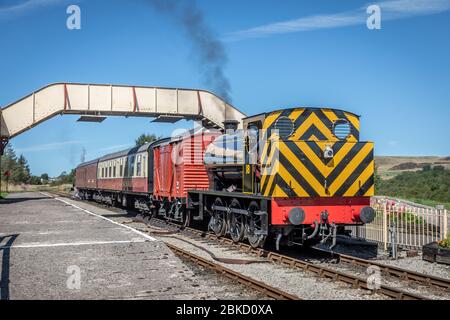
124	177
86	176
154	178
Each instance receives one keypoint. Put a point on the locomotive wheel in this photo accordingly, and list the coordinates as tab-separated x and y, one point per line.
236	222
186	218
218	222
254	224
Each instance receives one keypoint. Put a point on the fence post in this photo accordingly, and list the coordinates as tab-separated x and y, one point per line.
440	211
445	217
385	226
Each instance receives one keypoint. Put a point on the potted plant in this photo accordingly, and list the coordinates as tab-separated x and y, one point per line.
437	251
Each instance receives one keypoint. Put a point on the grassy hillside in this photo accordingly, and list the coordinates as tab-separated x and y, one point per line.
429	186
389	167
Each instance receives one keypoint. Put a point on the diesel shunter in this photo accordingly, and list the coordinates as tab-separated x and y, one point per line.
295	176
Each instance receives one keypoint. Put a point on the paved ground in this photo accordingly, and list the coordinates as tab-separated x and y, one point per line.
45	242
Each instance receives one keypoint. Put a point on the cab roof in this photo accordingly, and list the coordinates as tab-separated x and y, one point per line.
296	108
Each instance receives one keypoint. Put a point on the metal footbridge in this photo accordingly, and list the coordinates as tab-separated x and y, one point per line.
95	101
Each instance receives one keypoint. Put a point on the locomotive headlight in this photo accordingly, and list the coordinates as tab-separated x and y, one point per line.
328	153
367	214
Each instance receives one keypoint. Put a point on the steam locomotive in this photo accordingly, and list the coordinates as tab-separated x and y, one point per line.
295	176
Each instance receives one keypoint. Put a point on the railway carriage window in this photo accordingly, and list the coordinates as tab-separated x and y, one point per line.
285	127
138	169
341	129
132	165
144	161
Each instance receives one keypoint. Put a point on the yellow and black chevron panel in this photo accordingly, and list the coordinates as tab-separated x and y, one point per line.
313	124
299	169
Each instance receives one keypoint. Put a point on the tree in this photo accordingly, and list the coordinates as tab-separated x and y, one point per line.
18	168
145	138
65	178
21	173
44	178
9	159
35	180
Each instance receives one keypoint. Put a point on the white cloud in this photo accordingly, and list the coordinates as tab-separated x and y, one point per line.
390	10
26	6
50	146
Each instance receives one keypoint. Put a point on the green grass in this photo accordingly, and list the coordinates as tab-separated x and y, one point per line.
430	203
3	195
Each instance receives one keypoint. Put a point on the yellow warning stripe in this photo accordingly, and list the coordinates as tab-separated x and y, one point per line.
354	120
278	192
287	177
270	119
343	176
271	176
370	191
363	177
312	120
316	185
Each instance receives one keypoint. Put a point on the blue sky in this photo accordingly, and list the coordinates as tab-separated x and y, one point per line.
280	54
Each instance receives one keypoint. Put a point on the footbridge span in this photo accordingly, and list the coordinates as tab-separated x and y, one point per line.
99	100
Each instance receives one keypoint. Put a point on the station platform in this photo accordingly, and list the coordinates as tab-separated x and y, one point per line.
54	250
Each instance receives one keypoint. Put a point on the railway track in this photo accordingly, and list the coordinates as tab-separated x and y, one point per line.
396	272
320	271
262	287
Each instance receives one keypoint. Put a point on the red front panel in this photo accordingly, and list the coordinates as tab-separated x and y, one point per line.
340	210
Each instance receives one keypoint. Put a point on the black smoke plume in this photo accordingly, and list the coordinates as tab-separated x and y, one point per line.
206	48
83	155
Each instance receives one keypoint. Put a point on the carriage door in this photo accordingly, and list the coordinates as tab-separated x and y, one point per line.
251	139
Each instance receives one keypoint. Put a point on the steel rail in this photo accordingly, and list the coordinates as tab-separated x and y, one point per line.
262	287
321	271
397	272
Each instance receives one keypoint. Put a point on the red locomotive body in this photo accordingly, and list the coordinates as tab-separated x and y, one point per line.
340	210
179	166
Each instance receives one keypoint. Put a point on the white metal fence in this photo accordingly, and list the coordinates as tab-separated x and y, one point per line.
413	226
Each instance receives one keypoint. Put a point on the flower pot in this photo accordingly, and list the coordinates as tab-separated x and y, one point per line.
432	252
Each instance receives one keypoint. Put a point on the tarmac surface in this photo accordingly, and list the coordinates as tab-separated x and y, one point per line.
51	249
